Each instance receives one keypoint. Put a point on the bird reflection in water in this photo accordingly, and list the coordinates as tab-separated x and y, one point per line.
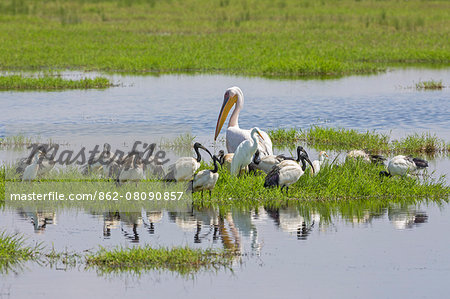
39	219
290	221
406	217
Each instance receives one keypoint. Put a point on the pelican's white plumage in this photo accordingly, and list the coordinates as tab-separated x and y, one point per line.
235	135
244	152
404	165
184	168
318	163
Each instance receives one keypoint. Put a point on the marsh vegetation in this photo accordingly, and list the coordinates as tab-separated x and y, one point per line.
283	38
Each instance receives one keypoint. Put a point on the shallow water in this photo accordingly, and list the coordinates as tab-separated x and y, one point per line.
400	250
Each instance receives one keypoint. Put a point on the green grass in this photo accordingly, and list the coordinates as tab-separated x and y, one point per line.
429	85
352	180
16	141
252	37
422	143
325	138
183	260
19	82
13	252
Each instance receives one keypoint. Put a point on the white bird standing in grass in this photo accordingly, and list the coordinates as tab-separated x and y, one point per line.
236	135
244	152
403	166
266	163
132	169
361	154
226	159
184	168
31	171
205	179
287	172
318	163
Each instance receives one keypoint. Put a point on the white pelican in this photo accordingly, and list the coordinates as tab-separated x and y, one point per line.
31	170
287	172
184	168
266	163
361	154
404	165
132	169
244	152
236	135
318	163
205	179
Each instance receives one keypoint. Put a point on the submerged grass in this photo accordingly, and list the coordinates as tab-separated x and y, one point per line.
183	260
429	85
13	252
281	38
325	138
19	82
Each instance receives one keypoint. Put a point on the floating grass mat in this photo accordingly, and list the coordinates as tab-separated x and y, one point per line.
183	260
14	252
269	38
429	85
325	138
19	82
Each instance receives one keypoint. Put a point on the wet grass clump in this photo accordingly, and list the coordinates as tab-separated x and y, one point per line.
183	260
15	141
13	251
344	139
18	82
285	38
429	85
419	143
324	138
282	137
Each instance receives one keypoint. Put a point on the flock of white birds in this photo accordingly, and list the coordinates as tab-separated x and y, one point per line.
248	150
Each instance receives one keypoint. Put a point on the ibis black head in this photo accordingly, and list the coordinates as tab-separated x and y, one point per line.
197	145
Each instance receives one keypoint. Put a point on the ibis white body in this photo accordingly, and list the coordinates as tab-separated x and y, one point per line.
204	180
183	169
401	165
268	162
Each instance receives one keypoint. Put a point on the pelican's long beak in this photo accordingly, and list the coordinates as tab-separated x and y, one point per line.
228	103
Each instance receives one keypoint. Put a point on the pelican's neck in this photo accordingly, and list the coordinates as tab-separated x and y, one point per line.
234	119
